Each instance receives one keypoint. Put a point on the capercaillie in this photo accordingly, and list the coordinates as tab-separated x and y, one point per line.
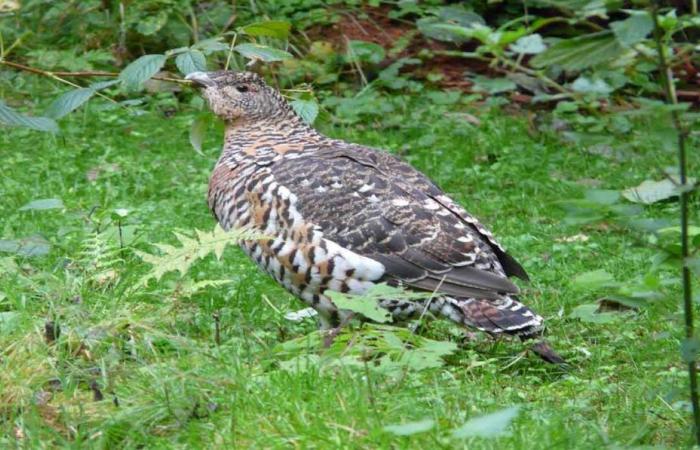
342	217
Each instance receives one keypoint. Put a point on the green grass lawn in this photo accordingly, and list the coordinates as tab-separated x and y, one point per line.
139	367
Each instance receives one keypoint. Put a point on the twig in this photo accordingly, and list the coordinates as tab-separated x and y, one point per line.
217	328
80	74
230	50
51	75
682	132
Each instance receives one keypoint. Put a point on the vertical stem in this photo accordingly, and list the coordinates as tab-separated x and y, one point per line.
667	80
217	328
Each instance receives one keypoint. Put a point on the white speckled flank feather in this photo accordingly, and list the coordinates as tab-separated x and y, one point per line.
342	217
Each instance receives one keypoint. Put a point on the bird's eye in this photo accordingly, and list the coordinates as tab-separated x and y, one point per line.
242	88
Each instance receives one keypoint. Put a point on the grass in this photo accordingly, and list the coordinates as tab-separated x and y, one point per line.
138	367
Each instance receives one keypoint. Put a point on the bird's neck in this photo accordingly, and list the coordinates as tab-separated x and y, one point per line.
243	132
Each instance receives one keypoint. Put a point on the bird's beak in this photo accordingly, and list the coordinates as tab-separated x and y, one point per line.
200	79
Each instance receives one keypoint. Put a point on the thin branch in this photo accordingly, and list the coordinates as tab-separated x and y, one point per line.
52	75
682	132
81	74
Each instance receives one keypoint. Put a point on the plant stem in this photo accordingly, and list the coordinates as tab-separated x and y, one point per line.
92	73
671	98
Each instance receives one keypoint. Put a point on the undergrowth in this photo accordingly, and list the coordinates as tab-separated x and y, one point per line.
96	354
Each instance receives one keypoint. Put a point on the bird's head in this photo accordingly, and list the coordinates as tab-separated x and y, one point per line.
235	96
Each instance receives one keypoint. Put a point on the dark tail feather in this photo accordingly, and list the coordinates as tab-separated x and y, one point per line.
507	316
504	316
548	354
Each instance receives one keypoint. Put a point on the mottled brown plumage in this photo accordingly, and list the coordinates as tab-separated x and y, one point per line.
343	217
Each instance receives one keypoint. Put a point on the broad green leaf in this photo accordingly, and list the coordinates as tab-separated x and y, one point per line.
103	84
589	312
493	85
586	85
594	279
191	61
650	191
9	321
69	102
693	264
272	28
690	347
488	426
208	46
9	116
150	24
198	131
30	246
141	70
44	203
581	52
529	45
633	29
262	52
366	52
450	16
306	109
410	428
367	306
602	196
459	15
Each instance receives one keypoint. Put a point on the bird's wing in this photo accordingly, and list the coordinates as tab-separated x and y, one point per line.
373	204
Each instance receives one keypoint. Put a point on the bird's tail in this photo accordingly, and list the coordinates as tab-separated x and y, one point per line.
503	316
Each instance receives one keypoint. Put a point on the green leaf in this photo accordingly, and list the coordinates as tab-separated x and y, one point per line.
198	131
410	428
589	312
366	306
306	109
141	70
693	264
9	321
581	52
68	102
191	61
208	46
650	191
440	28
493	85
30	246
690	347
392	350
366	52
45	203
633	29
602	196
488	426
529	45
262	52
586	85
103	84
595	279
9	116
272	28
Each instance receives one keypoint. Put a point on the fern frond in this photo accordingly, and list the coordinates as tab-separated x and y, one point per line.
193	248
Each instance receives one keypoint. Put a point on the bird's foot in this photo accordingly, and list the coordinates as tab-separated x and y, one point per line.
330	335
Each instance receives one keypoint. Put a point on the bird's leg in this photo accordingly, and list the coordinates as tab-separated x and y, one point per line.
332	332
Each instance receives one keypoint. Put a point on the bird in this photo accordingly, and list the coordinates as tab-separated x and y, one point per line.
343	217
